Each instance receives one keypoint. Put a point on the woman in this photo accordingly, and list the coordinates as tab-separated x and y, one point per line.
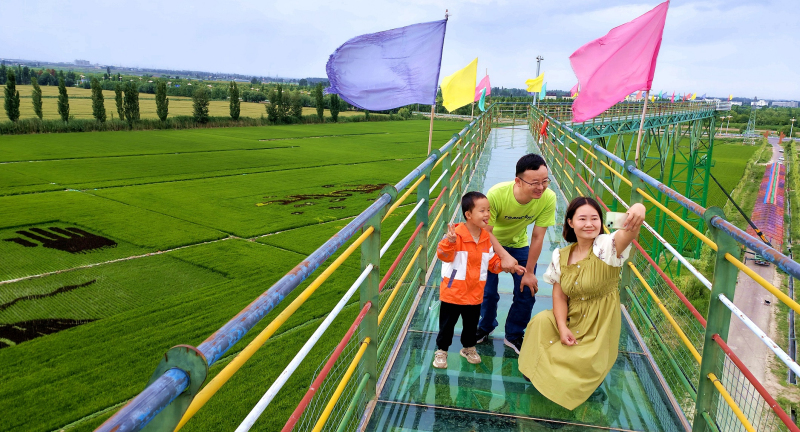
569	350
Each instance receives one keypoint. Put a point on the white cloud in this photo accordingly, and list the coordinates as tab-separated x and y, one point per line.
715	47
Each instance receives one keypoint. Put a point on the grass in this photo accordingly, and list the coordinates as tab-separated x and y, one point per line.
80	105
196	189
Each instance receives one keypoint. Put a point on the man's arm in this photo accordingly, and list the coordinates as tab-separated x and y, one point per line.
507	262
537	240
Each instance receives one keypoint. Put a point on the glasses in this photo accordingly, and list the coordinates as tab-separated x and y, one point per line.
536	184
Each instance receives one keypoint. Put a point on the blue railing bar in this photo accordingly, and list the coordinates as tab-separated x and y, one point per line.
605	152
137	413
780	260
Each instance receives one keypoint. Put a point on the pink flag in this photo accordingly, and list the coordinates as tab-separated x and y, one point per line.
673	97
622	61
639	95
481	85
574	90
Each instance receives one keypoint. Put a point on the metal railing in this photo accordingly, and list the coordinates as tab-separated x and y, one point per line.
714	387
177	389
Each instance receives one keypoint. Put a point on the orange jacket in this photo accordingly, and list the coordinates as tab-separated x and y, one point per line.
471	261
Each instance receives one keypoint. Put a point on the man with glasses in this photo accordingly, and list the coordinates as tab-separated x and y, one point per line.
515	205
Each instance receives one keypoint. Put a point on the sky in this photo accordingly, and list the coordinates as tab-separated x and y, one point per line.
742	47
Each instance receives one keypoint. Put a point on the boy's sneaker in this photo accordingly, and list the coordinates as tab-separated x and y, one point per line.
515	344
481	335
471	355
440	359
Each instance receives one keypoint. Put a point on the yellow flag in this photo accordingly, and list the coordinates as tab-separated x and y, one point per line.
458	89
730	97
694	96
535	84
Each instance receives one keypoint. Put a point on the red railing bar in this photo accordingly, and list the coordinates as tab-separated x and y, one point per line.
399	257
760	388
301	407
441	194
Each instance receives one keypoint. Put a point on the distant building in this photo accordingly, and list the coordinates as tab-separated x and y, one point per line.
785	104
761	103
82	63
736	103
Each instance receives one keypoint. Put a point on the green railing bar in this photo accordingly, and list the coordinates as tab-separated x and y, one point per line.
397	315
353	403
663	347
710	422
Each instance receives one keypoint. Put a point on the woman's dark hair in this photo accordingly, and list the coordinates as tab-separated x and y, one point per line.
468	201
568	233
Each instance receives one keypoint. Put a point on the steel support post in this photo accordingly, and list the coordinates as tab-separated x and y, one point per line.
422	217
369	292
719	319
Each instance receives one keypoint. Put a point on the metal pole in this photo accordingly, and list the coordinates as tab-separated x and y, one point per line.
641	128
430	133
539	59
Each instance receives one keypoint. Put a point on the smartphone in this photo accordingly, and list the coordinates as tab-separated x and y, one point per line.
615	220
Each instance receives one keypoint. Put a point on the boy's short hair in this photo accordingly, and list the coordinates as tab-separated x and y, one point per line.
468	201
530	161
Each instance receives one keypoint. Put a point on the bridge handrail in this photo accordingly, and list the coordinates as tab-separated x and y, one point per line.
165	388
715	221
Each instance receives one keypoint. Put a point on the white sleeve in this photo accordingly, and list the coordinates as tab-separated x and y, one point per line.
605	249
553	273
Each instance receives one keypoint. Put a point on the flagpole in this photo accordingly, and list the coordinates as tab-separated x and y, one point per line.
430	133
641	128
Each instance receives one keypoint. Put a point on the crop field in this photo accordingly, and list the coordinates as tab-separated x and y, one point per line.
119	245
80	105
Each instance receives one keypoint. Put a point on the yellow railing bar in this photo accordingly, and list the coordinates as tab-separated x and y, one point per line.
622	177
215	384
763	282
323	418
677	218
664	310
731	403
588	151
436	219
403	198
453	188
397	285
441	158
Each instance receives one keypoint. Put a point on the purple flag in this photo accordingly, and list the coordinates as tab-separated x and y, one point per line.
389	69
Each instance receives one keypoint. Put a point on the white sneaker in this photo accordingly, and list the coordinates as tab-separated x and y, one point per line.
471	355
440	359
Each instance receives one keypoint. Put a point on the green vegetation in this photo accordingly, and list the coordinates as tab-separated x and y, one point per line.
98	105
63	101
36	98
235	104
11	98
131	103
203	221
162	103
200	105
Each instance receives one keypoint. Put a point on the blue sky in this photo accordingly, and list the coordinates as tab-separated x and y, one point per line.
748	48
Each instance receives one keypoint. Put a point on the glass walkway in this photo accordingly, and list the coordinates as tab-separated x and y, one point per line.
493	395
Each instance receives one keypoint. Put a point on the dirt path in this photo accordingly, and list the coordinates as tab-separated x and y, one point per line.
750	298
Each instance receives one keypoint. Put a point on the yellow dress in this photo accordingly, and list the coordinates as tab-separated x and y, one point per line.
568	375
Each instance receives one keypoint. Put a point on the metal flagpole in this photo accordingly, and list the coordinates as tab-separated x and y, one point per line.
430	133
641	128
536	95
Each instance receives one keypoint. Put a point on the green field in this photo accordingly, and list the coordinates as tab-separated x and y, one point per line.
80	105
174	232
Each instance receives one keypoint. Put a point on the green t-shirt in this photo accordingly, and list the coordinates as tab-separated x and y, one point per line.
510	219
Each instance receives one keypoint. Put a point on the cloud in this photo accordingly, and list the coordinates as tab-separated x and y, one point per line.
715	47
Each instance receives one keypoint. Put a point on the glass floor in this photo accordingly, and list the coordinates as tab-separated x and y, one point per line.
494	395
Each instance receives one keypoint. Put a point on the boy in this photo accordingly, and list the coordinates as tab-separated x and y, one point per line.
467	255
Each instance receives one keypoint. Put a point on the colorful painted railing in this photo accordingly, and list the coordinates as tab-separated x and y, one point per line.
177	389
714	387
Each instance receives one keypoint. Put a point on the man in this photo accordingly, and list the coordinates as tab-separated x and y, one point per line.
515	205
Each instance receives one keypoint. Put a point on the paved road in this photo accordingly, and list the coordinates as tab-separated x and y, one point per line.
750	298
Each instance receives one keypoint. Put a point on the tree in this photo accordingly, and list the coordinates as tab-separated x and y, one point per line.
119	101
303	82
26	76
12	97
162	103
335	107
108	70
200	104
320	102
98	103
131	102
254	81
63	100
296	104
36	97
3	72
233	90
